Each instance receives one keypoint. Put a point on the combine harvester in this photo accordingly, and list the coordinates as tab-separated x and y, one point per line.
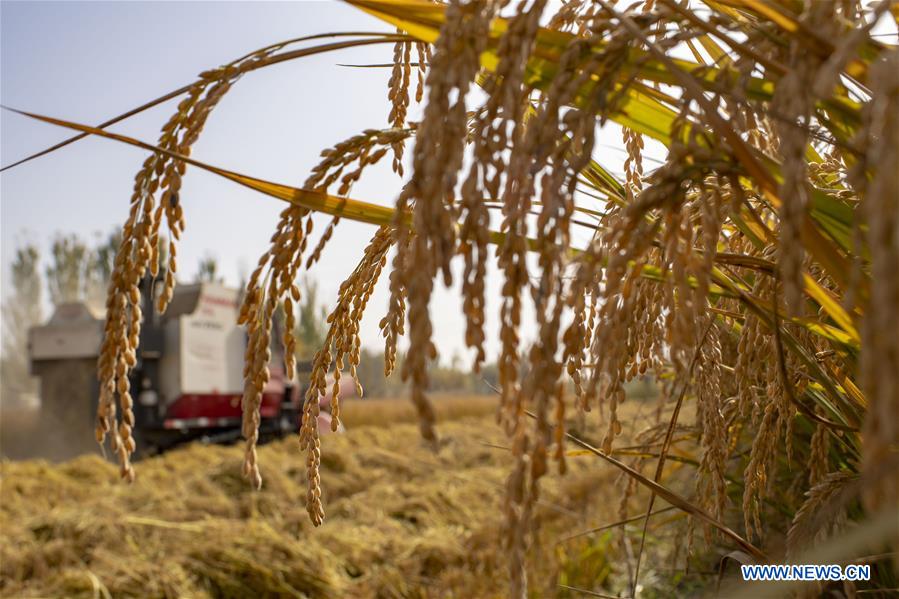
188	381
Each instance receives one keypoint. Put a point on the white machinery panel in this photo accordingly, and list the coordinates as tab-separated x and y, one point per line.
211	344
73	332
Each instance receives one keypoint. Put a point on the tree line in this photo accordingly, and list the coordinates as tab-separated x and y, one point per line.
77	270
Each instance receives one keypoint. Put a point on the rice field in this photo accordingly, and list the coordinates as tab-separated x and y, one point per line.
403	519
743	255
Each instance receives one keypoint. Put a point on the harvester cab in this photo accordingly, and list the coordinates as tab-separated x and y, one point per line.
188	380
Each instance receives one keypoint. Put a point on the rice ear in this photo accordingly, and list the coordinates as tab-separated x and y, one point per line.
821	510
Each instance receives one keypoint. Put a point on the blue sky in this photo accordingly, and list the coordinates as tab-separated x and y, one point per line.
89	61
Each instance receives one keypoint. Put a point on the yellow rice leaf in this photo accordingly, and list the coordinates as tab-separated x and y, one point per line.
358	210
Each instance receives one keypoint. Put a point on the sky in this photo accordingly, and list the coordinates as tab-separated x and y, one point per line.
89	61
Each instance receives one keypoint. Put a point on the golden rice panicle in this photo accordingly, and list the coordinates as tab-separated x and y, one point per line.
118	353
342	338
423	53
648	334
557	185
474	235
194	112
355	294
258	355
794	103
364	149
309	434
686	289
711	482
490	139
579	336
880	211
793	190
523	163
290	342
759	472
628	239
398	84
610	351
567	15
678	241
377	259
779	390
819	455
712	210
398	95
823	512
421	351
436	161
633	164
575	340
392	325
538	156
261	300
139	254
752	355
123	320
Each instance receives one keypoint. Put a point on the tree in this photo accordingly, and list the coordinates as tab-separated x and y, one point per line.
207	270
21	311
311	327
79	272
68	272
100	266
